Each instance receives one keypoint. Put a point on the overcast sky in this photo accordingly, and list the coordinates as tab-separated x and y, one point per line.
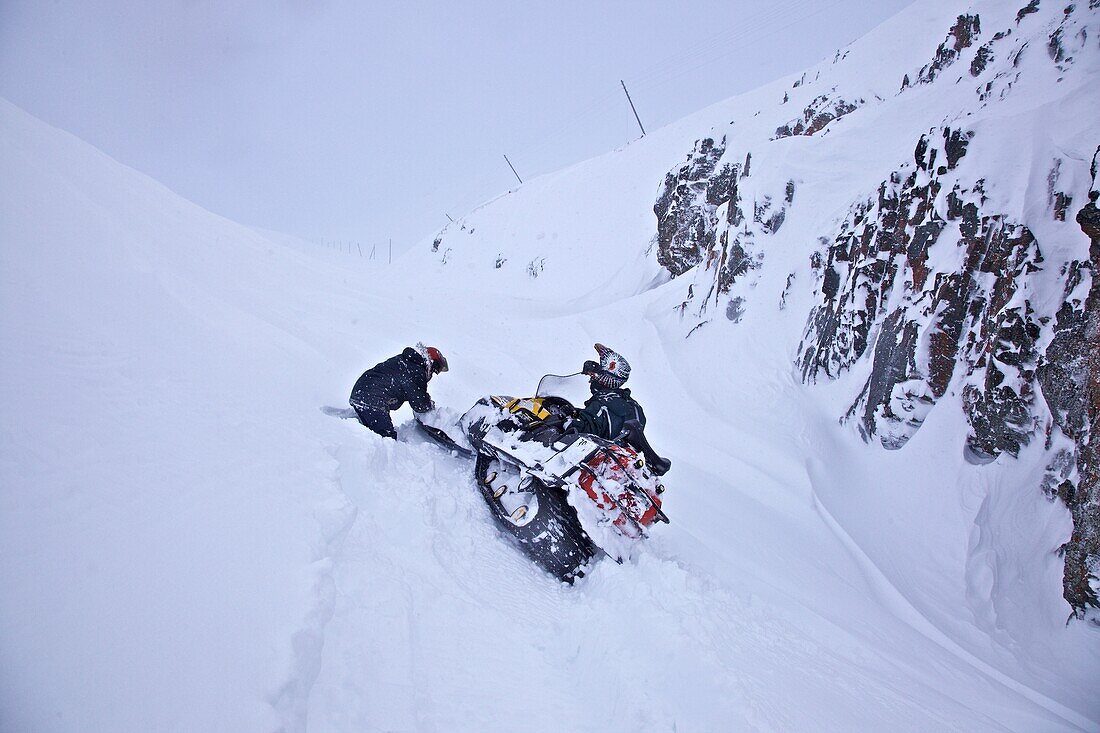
367	120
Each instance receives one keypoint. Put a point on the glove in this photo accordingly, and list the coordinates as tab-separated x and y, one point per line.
590	367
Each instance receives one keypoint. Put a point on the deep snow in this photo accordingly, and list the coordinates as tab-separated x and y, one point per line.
187	543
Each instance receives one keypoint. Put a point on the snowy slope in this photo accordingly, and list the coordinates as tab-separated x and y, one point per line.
188	544
986	571
166	502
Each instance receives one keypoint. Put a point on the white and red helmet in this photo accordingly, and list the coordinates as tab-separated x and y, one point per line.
613	370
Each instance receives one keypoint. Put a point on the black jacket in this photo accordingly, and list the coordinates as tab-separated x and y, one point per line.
387	386
606	410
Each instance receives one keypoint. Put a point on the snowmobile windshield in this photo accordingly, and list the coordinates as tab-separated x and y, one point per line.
572	387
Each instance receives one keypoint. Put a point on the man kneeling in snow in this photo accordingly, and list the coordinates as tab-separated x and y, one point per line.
388	385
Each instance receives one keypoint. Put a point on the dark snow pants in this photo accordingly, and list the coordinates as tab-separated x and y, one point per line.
377	420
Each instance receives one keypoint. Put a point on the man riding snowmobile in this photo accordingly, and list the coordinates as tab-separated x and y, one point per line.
388	385
610	406
610	413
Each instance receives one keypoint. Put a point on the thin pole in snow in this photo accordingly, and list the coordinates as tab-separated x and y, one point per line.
448	216
513	168
391	253
359	248
373	247
639	119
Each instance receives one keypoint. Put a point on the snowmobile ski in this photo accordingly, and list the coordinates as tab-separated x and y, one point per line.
441	437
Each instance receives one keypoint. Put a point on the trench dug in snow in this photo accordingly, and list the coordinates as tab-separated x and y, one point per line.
440	623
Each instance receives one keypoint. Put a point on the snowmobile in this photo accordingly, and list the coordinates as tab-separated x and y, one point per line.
564	496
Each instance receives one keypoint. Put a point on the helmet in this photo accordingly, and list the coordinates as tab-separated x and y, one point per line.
612	371
434	357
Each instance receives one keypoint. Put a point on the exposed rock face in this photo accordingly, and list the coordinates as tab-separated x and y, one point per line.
981	59
1070	379
1059	200
711	217
1031	7
686	207
819	113
938	322
962	35
1065	40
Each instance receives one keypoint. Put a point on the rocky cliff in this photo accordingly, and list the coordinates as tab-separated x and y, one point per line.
1069	374
955	278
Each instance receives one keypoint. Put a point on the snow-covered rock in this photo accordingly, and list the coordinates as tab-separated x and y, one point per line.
935	278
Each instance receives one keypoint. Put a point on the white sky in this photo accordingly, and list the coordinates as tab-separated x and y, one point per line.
366	120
